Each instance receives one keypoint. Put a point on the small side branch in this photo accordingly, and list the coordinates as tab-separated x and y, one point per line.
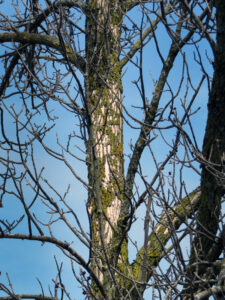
62	245
218	291
46	40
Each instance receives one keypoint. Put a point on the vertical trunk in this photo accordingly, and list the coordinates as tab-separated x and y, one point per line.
105	146
212	181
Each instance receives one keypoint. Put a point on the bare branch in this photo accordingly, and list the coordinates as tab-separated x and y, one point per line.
46	40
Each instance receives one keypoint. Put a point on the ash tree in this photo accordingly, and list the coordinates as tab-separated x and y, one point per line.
114	92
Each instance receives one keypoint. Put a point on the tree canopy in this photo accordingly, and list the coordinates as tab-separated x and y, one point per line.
112	144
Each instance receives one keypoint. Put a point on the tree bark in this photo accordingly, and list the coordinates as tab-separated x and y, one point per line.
212	178
105	129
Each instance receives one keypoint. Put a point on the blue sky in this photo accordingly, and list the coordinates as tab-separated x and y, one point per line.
24	260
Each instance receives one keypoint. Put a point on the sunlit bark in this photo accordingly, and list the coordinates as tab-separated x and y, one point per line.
105	145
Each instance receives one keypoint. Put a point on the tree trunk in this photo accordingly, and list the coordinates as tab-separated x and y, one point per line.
105	145
212	187
212	179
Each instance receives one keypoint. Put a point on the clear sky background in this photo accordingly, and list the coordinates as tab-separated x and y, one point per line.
25	261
